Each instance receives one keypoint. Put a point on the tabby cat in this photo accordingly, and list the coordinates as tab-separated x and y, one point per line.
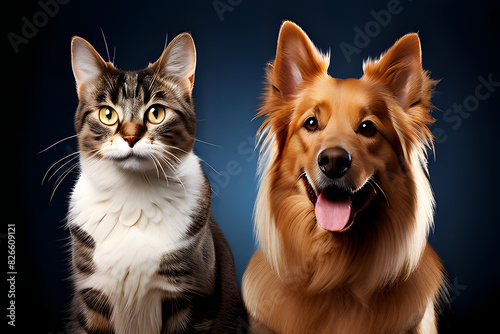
147	256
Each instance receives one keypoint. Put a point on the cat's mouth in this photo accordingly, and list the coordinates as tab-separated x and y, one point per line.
144	157
131	159
129	155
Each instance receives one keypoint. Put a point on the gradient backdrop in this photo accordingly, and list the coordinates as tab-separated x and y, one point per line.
234	40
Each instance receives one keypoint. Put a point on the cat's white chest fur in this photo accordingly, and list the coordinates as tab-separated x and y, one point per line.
133	223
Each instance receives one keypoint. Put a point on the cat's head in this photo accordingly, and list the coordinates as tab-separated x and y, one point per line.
136	120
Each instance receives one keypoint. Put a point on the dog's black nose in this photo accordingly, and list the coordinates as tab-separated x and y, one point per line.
334	162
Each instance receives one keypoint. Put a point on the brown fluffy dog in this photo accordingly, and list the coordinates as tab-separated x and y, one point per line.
344	206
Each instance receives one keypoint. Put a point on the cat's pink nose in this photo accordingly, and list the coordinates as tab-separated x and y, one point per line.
131	140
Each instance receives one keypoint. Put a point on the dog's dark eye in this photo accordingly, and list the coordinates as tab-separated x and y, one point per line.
367	129
311	124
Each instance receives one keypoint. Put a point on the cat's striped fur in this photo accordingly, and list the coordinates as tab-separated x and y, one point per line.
147	256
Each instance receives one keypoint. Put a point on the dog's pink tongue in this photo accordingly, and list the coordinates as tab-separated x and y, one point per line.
332	215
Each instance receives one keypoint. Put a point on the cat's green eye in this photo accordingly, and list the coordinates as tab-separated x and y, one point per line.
155	114
108	116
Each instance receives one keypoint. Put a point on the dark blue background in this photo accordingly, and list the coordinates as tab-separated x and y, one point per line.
460	43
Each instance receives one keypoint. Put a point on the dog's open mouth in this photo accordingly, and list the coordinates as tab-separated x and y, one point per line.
336	208
333	209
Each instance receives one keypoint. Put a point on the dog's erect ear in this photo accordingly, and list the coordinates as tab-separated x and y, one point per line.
400	69
296	59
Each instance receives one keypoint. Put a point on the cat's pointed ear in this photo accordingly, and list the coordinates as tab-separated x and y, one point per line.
87	64
297	59
400	70
178	61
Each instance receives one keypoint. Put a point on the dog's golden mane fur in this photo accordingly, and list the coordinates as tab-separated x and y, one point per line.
352	268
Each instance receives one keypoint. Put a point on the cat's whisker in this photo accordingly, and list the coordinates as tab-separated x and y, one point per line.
57	142
114	54
61	178
159	165
171	164
212	189
172	167
106	44
58	169
154	163
209	165
155	75
206	142
179	161
65	163
182	184
55	163
177	148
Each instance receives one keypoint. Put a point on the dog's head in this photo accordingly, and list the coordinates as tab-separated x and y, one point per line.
345	155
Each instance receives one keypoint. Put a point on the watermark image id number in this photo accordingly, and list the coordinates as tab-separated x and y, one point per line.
11	274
